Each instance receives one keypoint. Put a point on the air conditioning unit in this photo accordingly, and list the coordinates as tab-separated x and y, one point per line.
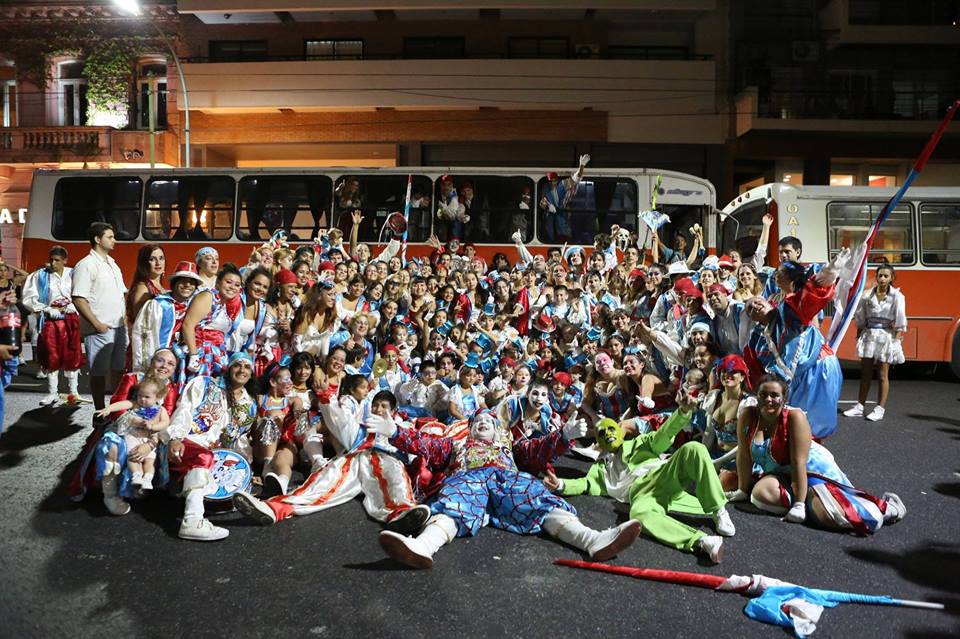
805	50
586	50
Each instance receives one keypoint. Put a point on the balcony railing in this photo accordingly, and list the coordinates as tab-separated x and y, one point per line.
878	105
615	53
84	144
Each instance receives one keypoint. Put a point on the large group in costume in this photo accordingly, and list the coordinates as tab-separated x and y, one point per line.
443	390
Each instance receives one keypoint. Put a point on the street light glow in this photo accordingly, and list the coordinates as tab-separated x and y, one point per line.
128	6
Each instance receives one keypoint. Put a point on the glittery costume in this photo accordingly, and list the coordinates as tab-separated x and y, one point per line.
635	474
791	345
212	333
483	485
366	464
847	507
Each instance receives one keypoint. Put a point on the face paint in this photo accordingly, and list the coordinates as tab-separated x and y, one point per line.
538	397
483	429
609	435
604	364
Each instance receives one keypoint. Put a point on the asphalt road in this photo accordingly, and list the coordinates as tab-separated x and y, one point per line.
71	568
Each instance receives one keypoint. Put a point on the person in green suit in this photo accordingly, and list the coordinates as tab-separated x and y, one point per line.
637	472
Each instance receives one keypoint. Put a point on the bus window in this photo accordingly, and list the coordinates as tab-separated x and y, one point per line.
848	223
189	208
940	233
80	201
497	206
377	196
682	217
741	231
297	204
598	204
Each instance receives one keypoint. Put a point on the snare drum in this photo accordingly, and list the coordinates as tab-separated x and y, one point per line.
231	474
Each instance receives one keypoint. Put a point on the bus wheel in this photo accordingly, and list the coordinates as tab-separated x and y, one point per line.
955	357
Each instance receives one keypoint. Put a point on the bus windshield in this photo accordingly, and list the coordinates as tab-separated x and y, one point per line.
740	230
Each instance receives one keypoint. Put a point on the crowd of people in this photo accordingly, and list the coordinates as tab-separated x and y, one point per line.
443	389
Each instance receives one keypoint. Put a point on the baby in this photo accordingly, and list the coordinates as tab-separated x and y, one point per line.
141	424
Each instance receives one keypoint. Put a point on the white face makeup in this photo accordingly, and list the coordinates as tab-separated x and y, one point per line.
538	396
604	364
484	428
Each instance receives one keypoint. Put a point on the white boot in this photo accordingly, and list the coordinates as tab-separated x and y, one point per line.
73	379
194	525
599	545
417	552
115	505
53	389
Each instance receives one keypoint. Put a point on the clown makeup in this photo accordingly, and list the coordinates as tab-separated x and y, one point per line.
609	435
521	377
632	365
538	396
483	428
282	382
603	363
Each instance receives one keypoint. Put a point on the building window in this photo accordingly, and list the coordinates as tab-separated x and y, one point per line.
940	233
72	94
152	81
434	48
238	50
849	222
8	102
529	48
333	49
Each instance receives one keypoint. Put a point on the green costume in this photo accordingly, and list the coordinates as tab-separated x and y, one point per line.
634	473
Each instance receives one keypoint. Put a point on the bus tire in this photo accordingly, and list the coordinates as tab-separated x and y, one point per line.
955	356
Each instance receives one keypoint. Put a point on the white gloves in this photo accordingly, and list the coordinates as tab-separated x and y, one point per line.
829	273
737	495
381	425
53	313
797	513
193	363
584	159
574	429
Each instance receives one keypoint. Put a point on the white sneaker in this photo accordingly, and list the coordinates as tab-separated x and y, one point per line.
50	400
254	508
723	524
713	547
876	414
856	411
201	530
610	542
896	510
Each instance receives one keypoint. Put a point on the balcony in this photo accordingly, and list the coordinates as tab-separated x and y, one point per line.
899	22
33	145
882	112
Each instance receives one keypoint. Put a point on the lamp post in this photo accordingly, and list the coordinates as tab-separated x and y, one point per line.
133	8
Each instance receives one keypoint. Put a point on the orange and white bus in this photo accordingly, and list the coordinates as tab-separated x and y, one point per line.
920	238
235	210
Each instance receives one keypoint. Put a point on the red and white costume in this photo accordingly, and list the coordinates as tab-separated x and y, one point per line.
58	346
366	463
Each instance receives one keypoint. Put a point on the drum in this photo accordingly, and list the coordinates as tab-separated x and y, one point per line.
231	474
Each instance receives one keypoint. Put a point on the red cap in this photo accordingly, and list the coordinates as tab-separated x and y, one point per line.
683	284
285	276
637	272
718	288
725	261
551	175
327	265
390	347
509	361
525	190
734	363
446	178
188	270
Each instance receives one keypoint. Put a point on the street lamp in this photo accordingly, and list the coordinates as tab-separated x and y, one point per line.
133	8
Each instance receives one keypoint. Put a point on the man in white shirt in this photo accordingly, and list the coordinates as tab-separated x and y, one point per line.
98	294
47	293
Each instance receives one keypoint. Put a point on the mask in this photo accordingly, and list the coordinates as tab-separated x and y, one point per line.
538	397
604	364
609	435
